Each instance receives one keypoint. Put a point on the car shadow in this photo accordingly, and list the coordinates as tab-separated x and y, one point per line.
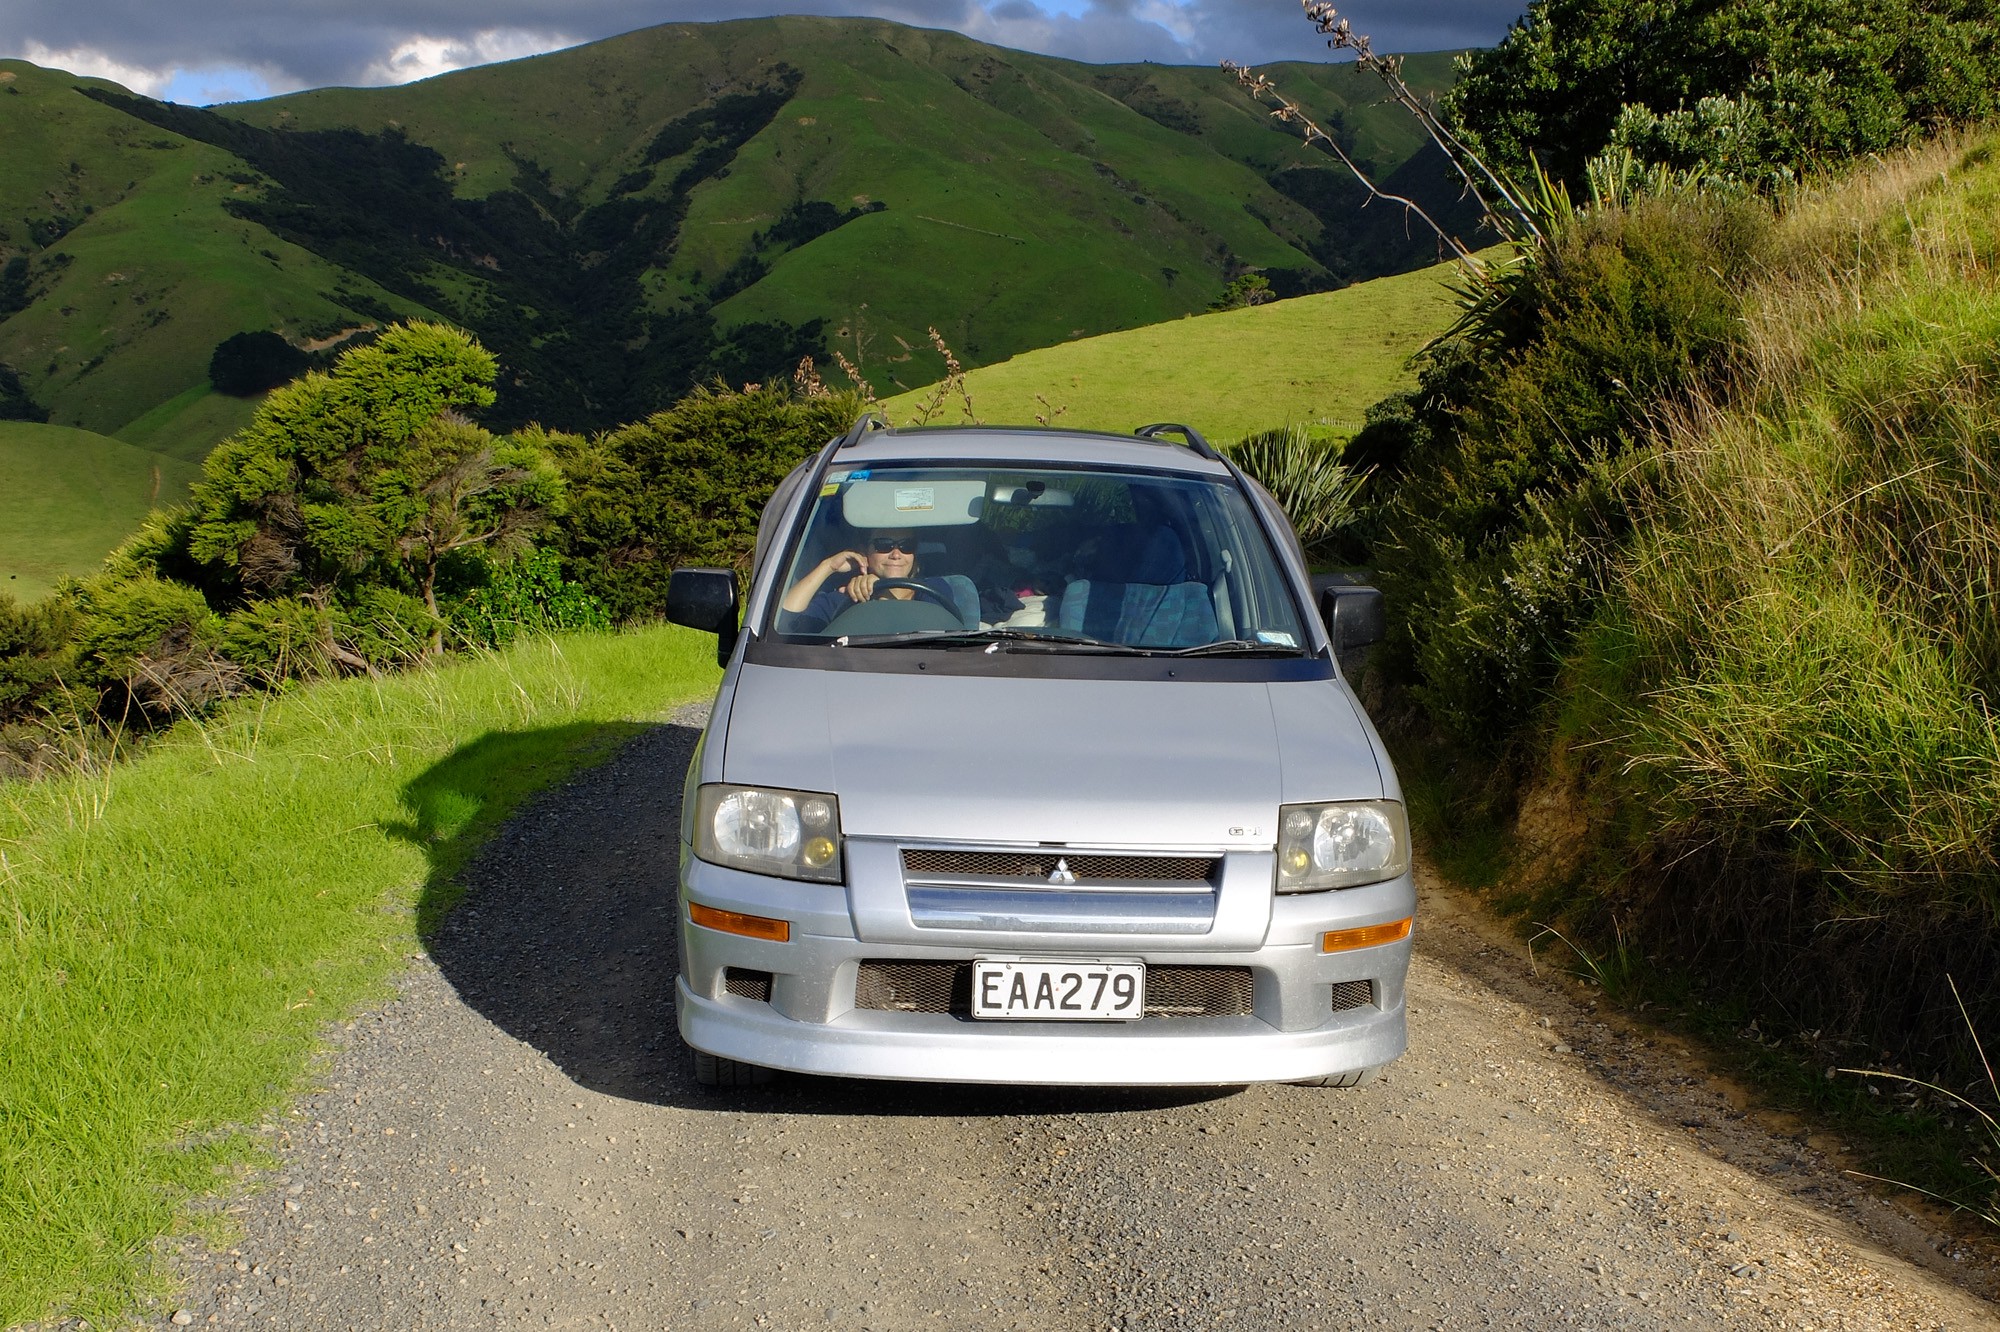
560	929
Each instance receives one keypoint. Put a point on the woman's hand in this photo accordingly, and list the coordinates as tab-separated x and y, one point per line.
804	590
861	586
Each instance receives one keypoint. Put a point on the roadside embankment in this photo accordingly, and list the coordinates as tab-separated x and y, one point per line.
1714	665
179	929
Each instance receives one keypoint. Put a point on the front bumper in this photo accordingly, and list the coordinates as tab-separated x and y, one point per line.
810	1023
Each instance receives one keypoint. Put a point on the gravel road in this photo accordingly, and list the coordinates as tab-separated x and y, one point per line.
514	1142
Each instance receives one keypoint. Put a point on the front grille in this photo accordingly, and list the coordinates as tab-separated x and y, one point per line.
1353	994
946	987
1041	864
747	984
1197	991
915	987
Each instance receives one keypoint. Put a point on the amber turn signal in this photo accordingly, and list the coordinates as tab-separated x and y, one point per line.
755	927
1367	936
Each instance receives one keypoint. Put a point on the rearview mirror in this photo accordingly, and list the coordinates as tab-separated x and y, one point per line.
1355	616
705	599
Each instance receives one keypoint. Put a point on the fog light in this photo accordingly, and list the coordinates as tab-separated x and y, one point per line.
818	851
1366	936
735	922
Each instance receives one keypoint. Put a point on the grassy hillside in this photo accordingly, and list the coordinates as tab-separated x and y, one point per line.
1314	359
184	926
70	496
685	200
134	268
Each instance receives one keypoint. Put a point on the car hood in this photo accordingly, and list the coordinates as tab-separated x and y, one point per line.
1013	760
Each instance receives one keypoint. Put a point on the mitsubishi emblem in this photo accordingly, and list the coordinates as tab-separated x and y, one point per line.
1062	873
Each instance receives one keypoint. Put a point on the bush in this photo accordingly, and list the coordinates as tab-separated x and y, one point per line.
528	595
1306	475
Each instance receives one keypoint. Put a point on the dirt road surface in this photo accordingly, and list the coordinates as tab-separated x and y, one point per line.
514	1142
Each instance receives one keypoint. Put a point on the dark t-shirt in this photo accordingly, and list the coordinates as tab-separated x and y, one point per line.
832	599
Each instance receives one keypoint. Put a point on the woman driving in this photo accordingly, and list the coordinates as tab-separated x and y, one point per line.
888	553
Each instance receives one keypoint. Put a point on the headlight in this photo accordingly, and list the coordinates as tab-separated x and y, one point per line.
1341	846
792	834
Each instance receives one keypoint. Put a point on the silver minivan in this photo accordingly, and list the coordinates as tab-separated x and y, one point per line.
1033	762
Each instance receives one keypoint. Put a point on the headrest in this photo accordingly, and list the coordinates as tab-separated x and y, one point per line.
1129	553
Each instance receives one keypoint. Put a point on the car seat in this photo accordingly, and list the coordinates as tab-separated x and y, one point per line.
1139	593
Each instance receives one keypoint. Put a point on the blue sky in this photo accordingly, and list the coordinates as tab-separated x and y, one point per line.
204	51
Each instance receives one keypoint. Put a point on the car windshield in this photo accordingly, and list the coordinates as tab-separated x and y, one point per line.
1035	559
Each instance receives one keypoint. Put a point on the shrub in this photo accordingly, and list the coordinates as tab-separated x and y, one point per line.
684	486
1305	473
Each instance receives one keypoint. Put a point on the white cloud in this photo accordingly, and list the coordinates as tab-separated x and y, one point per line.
426	57
97	65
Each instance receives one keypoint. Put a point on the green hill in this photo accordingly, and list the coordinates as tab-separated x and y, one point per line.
620	219
1318	359
70	497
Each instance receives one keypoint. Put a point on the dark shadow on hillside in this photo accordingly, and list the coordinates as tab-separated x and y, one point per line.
560	929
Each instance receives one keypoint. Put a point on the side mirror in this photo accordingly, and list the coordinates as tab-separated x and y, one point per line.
1355	616
705	599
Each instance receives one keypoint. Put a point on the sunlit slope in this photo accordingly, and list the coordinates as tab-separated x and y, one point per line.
136	270
70	496
1315	359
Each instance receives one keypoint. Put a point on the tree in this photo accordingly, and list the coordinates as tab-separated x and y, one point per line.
459	488
1755	92
369	476
245	364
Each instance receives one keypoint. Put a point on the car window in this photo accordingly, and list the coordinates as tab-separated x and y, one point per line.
1073	559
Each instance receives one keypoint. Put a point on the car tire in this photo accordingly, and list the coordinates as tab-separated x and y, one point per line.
715	1071
1360	1077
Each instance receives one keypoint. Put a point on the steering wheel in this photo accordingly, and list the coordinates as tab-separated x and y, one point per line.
884	586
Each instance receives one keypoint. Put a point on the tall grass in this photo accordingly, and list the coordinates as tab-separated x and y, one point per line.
1810	598
175	932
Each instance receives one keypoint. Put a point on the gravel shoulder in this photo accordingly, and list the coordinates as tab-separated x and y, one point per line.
514	1141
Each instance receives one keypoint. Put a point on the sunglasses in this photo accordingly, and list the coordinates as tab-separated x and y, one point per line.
883	545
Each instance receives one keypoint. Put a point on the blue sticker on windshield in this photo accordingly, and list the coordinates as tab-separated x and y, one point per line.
861	475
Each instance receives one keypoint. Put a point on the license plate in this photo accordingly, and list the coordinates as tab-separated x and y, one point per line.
1058	989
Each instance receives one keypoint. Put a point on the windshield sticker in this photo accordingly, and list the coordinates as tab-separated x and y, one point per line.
858	475
914	499
830	488
1271	636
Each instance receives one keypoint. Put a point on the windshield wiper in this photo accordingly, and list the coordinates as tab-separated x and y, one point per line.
1233	647
995	639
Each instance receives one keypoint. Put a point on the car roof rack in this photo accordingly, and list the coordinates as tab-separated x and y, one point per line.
1200	446
864	425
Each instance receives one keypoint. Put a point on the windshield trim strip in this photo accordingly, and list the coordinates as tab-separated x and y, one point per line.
917	660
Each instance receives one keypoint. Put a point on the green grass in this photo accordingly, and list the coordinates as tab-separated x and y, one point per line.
70	496
1311	360
180	928
191	424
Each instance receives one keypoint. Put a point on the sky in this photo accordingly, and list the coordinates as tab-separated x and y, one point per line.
199	52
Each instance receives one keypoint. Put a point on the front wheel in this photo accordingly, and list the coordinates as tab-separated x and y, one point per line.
715	1071
1360	1077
